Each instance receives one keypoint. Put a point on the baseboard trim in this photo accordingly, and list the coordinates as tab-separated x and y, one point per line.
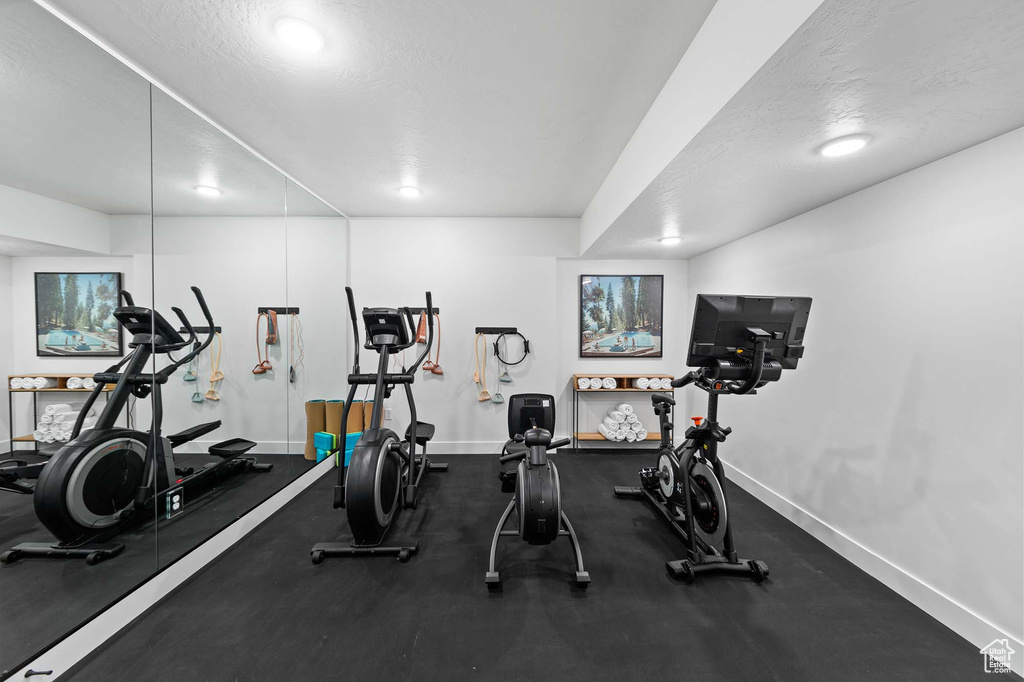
957	617
74	648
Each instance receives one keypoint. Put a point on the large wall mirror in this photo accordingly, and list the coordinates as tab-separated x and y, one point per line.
108	184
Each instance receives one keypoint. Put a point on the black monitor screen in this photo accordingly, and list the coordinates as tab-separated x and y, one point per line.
720	324
526	410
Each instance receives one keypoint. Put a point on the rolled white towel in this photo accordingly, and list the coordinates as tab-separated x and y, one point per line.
608	383
616	415
606	432
642	383
74	382
59	407
630	436
610	423
632	419
620	435
624	408
89	383
641	434
583	383
666	384
595	383
38	435
49	437
70	415
45	419
636	426
16	384
44	382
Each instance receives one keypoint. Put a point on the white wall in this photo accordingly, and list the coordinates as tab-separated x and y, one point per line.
898	441
674	339
482	272
6	337
30	216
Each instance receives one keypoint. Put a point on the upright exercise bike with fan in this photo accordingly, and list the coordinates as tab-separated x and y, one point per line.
740	344
385	471
109	478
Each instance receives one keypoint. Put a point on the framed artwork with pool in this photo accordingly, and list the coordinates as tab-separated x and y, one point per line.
621	316
75	314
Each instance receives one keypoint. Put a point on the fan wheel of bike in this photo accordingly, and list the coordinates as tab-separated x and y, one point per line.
88	485
710	525
373	486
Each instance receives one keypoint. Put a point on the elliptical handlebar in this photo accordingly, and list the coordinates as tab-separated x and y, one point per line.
355	327
126	298
430	332
199	348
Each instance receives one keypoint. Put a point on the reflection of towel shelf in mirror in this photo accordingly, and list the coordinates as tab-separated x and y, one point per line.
62	387
623	384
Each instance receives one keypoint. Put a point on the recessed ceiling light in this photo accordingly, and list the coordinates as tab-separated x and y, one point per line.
409	192
841	146
670	241
299	35
208	191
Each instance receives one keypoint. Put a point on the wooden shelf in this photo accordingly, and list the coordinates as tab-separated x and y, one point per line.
622	382
62	382
598	436
24	439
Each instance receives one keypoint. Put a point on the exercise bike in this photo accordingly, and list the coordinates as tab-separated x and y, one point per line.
740	344
537	499
384	473
109	478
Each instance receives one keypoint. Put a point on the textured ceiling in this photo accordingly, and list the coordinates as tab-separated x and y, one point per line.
926	78
75	126
492	107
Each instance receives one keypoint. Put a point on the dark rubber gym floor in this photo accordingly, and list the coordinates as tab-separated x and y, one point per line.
42	599
264	612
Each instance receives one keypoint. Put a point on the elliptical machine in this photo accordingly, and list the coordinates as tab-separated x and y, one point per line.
740	344
537	499
109	478
384	473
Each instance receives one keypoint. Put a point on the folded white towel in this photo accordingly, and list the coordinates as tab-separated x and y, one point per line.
641	434
642	383
583	383
616	415
75	382
610	423
608	383
630	436
636	426
625	408
620	435
89	383
632	419
604	431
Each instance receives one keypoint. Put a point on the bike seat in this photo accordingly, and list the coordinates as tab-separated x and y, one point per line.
424	432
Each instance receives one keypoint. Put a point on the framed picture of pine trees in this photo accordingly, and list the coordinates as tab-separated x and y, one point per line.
75	314
621	316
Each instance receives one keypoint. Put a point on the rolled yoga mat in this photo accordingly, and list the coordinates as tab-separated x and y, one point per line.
355	417
316	420
334	409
